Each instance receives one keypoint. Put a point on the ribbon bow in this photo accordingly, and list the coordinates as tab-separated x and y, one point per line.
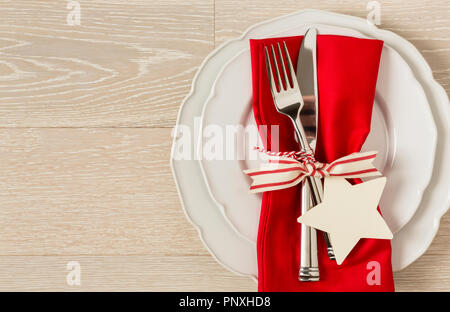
286	169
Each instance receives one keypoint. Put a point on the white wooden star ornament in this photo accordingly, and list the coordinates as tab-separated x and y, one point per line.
348	213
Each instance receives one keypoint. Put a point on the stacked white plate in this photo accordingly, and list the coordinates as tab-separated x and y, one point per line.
410	129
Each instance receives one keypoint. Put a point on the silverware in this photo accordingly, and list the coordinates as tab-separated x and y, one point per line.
288	101
307	81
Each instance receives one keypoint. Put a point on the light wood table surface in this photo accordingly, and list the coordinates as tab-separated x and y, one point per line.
86	113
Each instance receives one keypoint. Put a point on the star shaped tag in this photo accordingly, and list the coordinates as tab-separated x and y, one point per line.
348	213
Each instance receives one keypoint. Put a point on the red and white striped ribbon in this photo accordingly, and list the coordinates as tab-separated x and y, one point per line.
286	169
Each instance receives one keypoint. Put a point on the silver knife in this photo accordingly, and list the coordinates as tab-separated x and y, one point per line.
307	81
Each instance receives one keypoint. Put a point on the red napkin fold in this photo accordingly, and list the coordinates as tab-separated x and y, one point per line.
347	70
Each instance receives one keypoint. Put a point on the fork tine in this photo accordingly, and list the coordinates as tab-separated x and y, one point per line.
273	87
283	67
280	83
291	68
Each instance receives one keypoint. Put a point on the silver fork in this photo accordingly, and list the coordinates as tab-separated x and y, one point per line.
288	101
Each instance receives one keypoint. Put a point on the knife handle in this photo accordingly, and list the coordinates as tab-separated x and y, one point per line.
309	264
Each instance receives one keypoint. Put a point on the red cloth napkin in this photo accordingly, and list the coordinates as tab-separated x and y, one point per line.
347	74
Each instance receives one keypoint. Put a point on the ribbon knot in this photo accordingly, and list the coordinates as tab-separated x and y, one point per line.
315	169
286	169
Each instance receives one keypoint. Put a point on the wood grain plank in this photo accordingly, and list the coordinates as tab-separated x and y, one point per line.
120	273
90	192
128	64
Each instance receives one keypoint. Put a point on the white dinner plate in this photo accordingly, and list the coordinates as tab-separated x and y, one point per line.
239	254
400	105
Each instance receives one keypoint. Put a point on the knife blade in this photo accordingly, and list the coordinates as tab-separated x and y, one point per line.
307	82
